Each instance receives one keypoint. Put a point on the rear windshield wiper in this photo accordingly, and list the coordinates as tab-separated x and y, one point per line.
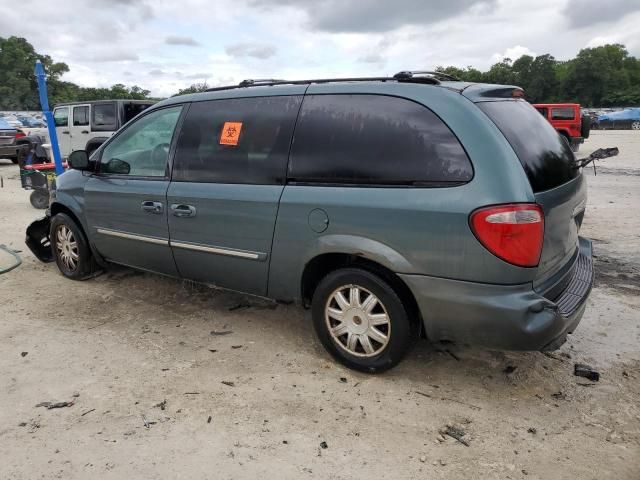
599	154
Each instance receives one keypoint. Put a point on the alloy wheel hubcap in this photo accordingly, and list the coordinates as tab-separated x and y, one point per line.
67	247
358	321
635	125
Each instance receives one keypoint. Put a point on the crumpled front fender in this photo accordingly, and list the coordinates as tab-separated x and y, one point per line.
38	239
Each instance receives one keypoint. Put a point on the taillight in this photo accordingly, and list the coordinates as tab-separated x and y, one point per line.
20	134
512	232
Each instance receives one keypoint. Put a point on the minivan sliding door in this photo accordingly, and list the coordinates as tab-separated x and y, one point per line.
228	175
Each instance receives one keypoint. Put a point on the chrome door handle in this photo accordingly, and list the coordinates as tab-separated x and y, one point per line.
152	207
182	210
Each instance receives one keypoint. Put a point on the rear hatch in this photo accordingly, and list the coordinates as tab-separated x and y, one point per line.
558	186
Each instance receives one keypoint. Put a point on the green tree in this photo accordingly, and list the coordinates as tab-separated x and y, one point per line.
194	88
18	87
597	72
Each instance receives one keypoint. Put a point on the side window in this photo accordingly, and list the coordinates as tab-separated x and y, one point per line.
562	114
543	111
80	116
61	116
104	117
240	140
143	147
374	139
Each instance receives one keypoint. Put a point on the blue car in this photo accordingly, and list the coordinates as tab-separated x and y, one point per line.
625	119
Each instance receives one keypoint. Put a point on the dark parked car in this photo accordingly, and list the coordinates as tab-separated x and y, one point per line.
8	148
393	207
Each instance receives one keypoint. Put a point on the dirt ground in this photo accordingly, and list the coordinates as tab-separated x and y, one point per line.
266	401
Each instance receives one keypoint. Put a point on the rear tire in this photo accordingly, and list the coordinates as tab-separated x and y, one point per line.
70	248
361	321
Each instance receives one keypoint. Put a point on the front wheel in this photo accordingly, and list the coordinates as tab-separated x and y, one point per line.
635	126
70	248
361	320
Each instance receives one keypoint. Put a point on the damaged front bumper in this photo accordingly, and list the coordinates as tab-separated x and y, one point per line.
38	239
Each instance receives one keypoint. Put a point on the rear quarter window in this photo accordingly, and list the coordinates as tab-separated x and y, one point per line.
103	117
563	113
375	139
545	156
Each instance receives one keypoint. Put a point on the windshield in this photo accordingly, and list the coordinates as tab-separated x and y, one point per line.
545	156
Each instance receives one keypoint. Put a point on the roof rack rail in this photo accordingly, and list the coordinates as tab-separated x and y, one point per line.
262	81
400	77
407	75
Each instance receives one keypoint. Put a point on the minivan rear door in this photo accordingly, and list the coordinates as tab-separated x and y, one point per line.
557	183
228	175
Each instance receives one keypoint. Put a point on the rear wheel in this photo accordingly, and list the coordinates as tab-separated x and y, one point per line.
70	248
635	125
361	320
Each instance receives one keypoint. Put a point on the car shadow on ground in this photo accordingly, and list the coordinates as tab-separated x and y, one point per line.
128	302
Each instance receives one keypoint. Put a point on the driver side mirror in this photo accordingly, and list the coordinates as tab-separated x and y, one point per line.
79	160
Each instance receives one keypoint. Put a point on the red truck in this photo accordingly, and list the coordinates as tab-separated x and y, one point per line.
568	120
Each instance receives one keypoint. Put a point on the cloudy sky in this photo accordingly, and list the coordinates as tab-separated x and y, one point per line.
165	45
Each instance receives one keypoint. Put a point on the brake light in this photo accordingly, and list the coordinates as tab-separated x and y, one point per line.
512	232
20	134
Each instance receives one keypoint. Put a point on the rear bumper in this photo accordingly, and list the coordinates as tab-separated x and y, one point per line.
509	317
8	151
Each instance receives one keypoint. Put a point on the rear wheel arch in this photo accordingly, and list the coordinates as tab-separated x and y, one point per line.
324	264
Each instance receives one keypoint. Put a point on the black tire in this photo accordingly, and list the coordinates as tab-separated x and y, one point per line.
400	331
39	199
84	265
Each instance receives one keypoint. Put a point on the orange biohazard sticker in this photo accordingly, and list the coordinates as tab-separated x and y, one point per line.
230	133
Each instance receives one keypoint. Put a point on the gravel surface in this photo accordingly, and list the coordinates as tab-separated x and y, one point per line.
152	393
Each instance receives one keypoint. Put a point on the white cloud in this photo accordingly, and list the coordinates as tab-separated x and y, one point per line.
131	41
513	53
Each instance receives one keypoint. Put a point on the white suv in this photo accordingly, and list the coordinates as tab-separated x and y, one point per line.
86	125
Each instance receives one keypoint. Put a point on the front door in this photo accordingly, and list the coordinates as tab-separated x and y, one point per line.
63	132
79	127
228	176
125	200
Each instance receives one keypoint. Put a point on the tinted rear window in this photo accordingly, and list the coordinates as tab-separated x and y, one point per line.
374	139
566	113
546	156
104	117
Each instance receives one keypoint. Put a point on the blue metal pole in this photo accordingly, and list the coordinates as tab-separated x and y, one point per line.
44	103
